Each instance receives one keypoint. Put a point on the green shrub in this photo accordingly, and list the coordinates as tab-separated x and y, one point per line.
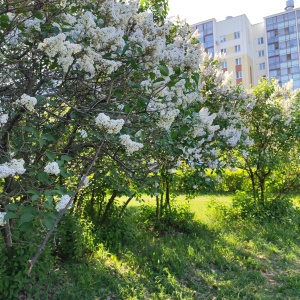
74	237
274	208
178	218
14	279
233	181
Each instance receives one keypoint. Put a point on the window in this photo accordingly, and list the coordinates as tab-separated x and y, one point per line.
260	40
223	38
223	50
239	75
224	65
262	66
237	48
236	35
261	53
238	61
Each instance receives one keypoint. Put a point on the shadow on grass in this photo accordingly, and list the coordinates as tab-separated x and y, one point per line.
241	260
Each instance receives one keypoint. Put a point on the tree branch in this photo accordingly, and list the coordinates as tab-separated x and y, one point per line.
50	232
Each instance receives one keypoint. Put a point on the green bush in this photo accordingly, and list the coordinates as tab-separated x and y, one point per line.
178	218
14	278
74	237
233	181
279	209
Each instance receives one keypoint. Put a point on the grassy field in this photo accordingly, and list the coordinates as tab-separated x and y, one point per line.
215	258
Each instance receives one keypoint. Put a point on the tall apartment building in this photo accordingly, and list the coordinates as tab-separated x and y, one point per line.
269	49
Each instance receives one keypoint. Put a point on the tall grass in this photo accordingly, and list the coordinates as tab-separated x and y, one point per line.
218	259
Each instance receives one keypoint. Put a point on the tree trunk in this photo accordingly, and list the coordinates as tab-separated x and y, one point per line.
6	233
125	205
108	207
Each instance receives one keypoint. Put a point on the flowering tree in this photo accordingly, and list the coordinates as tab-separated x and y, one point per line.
87	84
274	134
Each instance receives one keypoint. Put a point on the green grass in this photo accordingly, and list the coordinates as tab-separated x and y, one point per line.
217	259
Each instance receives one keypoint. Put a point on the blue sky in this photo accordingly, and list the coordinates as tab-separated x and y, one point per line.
200	10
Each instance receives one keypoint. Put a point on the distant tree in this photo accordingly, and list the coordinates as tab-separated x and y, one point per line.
274	138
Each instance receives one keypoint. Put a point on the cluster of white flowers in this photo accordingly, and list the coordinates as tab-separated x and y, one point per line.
52	168
130	145
83	133
167	118
64	200
233	135
13	37
2	222
109	125
33	23
57	45
248	142
206	119
85	181
3	118
27	101
12	168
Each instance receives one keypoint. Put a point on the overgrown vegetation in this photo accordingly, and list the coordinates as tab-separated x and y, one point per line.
216	258
101	103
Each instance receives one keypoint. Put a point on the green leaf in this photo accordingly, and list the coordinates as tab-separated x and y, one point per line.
48	223
64	172
38	15
10	215
49	137
164	70
39	98
50	155
26	227
30	210
50	193
35	197
33	130
142	102
133	64
4	21
196	77
43	177
126	47
12	206
27	217
41	142
177	70
152	75
173	134
66	157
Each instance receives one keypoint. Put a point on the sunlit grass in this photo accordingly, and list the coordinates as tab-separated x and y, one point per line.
218	259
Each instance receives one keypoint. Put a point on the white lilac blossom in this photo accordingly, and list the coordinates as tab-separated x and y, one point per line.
108	124
13	37
27	101
3	118
52	168
232	134
248	142
57	45
2	215
64	200
130	145
12	168
167	118
33	23
85	181
83	133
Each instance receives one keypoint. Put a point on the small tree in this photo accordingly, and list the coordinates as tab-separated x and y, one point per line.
274	134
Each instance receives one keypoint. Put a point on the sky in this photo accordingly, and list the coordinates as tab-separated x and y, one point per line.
200	10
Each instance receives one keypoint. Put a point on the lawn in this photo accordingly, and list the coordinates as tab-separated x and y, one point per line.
214	258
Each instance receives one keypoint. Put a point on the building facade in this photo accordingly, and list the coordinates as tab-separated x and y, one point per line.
267	49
